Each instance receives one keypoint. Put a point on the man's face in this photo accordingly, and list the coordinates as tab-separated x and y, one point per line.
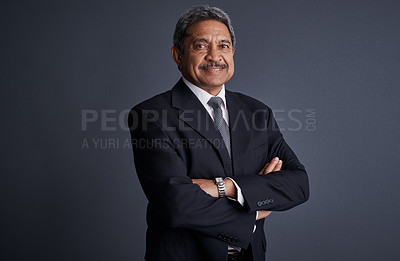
207	58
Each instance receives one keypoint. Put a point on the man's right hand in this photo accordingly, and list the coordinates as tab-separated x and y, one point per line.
274	165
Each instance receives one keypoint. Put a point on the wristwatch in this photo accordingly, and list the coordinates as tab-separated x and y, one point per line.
220	182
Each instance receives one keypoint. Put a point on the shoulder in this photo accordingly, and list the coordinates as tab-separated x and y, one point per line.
163	100
148	112
251	103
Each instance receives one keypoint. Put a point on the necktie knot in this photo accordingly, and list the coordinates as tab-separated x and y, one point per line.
215	102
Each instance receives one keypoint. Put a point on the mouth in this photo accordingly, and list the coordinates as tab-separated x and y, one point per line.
214	69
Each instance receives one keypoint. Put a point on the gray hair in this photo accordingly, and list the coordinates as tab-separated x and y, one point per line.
198	14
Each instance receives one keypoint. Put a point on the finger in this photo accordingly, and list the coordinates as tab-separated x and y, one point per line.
197	181
271	165
262	214
278	166
263	169
268	213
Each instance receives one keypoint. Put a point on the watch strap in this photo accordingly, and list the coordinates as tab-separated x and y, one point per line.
220	182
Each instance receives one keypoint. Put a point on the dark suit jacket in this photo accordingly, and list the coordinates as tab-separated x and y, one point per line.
174	140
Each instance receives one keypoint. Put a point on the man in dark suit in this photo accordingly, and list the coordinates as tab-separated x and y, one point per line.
212	163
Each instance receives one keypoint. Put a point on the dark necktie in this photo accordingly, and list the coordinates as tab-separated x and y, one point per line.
215	103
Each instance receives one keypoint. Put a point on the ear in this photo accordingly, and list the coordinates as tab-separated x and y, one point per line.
176	55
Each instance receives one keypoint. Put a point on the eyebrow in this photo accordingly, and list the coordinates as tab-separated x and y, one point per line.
205	40
200	40
225	41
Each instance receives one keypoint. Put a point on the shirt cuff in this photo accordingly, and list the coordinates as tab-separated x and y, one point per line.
239	195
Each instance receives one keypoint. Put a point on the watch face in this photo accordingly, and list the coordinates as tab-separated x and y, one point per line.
219	180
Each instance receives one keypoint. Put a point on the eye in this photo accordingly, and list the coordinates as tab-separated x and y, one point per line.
225	47
200	46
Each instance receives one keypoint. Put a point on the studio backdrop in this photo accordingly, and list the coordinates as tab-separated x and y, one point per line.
71	70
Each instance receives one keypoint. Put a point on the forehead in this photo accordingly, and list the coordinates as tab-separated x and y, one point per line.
209	28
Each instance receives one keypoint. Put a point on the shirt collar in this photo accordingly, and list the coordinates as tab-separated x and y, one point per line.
204	96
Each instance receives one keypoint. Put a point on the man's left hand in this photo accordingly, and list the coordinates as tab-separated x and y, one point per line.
208	186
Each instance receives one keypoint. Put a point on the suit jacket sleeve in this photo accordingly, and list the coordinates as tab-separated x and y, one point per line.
177	201
279	190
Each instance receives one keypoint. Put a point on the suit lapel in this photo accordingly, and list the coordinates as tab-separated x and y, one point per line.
240	124
193	113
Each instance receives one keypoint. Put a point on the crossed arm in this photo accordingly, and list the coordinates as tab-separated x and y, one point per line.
177	201
210	187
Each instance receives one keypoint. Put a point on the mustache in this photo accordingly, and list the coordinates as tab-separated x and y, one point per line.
215	64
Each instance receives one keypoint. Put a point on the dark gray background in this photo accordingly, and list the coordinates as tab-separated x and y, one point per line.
64	201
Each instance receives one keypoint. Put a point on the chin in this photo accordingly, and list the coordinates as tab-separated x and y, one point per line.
213	85
215	82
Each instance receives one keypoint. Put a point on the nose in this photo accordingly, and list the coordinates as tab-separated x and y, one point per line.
213	55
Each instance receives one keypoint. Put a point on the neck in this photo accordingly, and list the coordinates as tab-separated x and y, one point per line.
212	90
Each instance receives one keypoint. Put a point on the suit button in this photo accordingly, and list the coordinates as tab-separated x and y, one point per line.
265	202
